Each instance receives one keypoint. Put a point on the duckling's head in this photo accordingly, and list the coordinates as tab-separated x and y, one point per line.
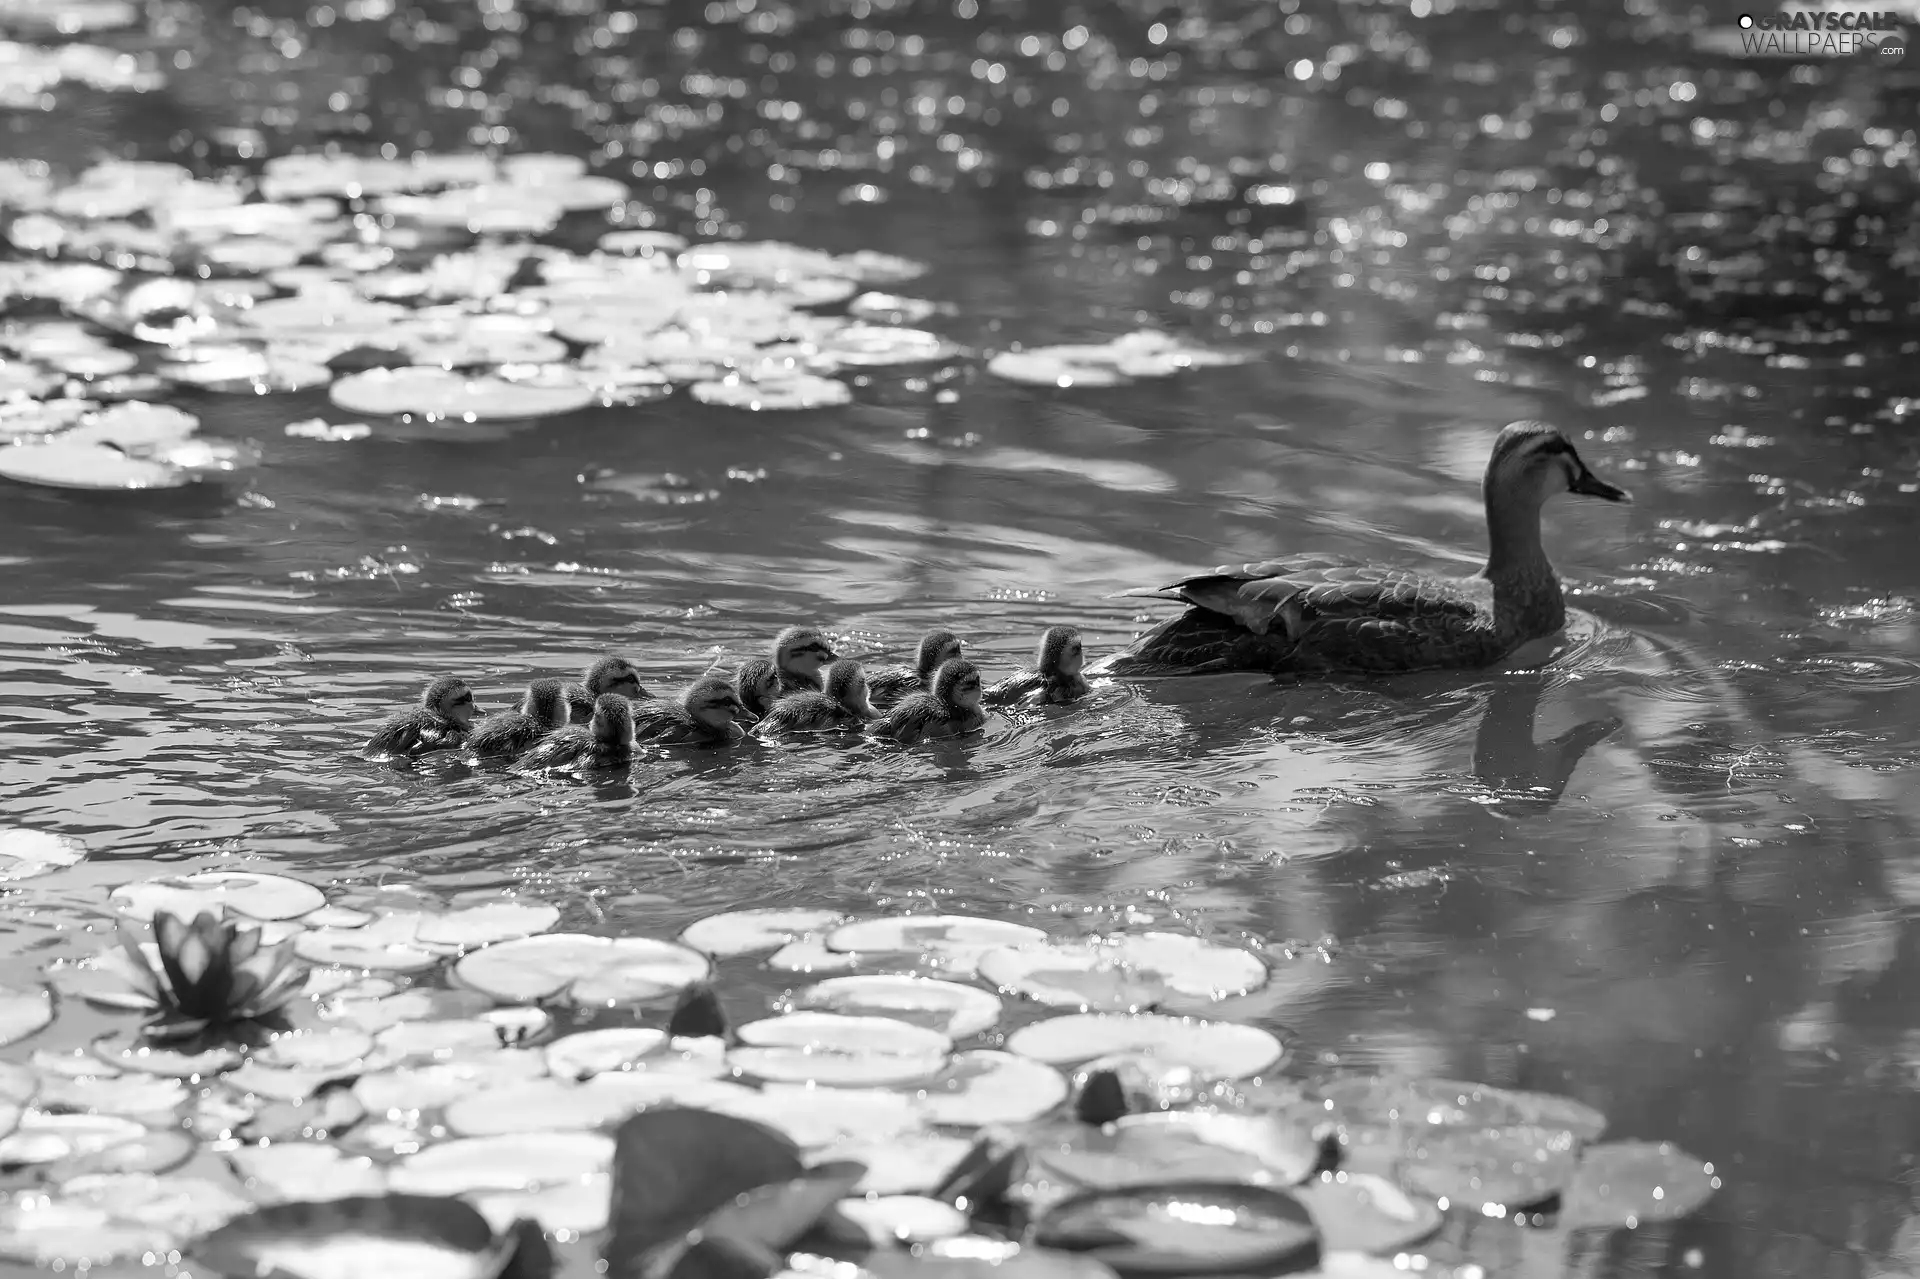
1061	652
613	675
713	703
1532	461
957	683
450	698
612	722
936	648
847	683
546	701
757	683
802	651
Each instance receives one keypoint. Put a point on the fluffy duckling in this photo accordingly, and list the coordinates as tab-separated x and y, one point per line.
604	740
844	704
608	675
709	713
887	687
951	709
757	681
543	709
1055	677
439	722
798	654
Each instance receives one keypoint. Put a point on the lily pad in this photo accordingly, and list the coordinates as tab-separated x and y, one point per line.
953	942
1124	973
954	1010
816	1117
794	391
1218	1049
905	1219
1140	1150
43	1137
24	1011
628	1049
248	893
26	853
985	1087
334	1048
70	464
519	1162
354	1236
827	1048
1184	1228
485	924
881	345
538	1105
152	1151
1490	1170
1398	1099
1358	1212
810	955
1634	1183
287	1170
438	393
580	969
405	1090
743	932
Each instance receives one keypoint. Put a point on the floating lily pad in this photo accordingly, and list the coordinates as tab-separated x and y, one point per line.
815	1116
985	1087
104	1215
742	932
881	345
286	1170
416	1041
1140	1150
911	1163
827	1048
279	1083
1398	1099
1124	973
26	853
154	1150
538	1105
1218	1049
115	1054
148	1097
407	1089
795	391
335	1048
70	464
581	969
24	1011
1634	1183
810	955
43	1137
440	393
521	1161
1184	1228
905	1219
388	944
1482	1169
954	942
248	893
954	1010
1357	1212
1061	367
352	1237
617	1050
485	924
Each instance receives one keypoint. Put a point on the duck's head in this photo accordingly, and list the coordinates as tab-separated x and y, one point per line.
847	685
957	683
1061	652
546	701
450	698
757	683
613	675
802	651
936	649
713	703
1533	461
612	722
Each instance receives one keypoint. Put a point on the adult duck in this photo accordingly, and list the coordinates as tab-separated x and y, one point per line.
1320	615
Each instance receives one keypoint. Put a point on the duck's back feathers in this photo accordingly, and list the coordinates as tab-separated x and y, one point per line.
805	713
668	724
411	733
889	685
566	747
507	733
1033	687
910	720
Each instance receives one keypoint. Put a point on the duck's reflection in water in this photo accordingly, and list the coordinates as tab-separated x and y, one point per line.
1525	777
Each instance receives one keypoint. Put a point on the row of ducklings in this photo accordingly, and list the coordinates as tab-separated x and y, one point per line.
802	686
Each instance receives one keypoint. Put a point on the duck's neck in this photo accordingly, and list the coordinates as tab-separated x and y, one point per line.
1526	594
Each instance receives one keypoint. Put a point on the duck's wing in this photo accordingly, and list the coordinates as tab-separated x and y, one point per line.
508	733
888	686
1014	688
413	733
559	749
908	721
658	721
1291	596
800	713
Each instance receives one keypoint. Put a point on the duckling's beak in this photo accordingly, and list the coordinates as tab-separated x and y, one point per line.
1587	484
829	656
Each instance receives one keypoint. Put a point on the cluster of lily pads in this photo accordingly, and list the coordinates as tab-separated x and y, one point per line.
382	1081
421	288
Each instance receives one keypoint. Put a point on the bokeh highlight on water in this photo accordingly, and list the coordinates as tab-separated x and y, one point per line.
1674	874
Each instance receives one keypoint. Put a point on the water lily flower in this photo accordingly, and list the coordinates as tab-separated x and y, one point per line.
195	976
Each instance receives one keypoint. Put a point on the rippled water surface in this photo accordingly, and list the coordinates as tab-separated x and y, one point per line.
1673	874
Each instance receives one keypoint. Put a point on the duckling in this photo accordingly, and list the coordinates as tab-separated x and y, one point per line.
757	681
440	722
887	687
951	709
543	709
608	675
843	705
798	654
1055	678
708	714
603	741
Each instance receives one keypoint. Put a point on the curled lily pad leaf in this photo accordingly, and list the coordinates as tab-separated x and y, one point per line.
438	393
582	969
672	1168
986	1087
828	1048
1634	1183
953	942
1490	1170
905	1219
1124	973
354	1236
1220	1049
1358	1212
24	1011
26	853
742	932
954	1010
1184	1228
255	895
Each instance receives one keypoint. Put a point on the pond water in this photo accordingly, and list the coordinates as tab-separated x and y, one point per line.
1674	874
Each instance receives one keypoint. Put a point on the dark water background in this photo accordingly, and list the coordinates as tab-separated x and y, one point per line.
1675	875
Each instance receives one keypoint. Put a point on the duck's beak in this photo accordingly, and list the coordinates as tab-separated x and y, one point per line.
829	656
1587	484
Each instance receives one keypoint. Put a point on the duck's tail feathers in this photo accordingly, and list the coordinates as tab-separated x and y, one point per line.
1152	593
